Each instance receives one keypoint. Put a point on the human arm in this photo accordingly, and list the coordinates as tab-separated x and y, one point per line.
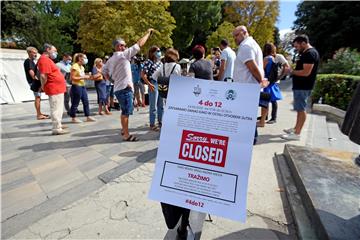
76	77
97	74
306	71
309	58
144	76
43	79
141	42
255	71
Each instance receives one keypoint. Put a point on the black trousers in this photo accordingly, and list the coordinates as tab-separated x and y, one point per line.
274	108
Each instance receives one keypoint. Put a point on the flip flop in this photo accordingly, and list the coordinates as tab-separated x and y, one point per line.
122	133
131	138
42	117
155	128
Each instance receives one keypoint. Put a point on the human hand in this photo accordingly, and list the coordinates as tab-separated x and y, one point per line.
150	30
264	83
151	87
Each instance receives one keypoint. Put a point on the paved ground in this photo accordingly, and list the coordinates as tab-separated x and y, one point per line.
54	186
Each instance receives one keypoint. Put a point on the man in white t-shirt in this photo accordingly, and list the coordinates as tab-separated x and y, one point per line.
118	67
227	61
285	67
249	61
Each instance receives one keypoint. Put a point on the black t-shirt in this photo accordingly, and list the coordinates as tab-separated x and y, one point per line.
310	56
29	64
202	69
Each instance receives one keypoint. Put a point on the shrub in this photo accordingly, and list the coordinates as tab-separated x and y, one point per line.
344	61
334	89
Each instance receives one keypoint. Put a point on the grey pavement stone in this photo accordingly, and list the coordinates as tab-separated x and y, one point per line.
17	182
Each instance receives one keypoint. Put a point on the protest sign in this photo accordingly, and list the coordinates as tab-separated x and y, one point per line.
205	148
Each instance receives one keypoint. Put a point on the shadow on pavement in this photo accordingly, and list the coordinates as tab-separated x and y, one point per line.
108	136
269	138
255	233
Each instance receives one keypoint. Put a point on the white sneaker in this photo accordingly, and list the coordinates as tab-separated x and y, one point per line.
289	130
291	136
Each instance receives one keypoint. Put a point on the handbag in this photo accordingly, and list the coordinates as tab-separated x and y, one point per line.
163	83
265	96
172	214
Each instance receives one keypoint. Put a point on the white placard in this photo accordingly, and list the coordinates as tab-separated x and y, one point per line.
205	148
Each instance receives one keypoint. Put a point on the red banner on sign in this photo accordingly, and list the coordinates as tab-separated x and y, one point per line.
203	148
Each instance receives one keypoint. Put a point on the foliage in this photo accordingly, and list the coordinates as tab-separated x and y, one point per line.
344	61
223	31
258	16
102	21
195	20
35	23
277	40
334	26
286	41
335	89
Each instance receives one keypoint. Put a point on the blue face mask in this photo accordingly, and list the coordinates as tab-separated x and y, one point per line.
67	62
158	55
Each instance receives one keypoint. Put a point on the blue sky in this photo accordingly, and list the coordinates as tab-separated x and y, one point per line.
287	14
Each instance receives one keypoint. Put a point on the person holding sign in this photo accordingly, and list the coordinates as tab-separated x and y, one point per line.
249	61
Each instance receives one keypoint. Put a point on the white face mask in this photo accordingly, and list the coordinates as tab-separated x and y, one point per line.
53	55
85	61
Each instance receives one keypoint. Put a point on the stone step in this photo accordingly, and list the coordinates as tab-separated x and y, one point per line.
305	230
339	141
318	133
328	182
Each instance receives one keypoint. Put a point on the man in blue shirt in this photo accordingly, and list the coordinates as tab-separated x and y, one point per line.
65	65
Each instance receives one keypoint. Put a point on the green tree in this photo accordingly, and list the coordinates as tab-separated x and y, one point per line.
277	37
258	16
102	21
195	20
335	25
35	23
223	31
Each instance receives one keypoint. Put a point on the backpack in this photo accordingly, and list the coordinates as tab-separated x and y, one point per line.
273	74
163	83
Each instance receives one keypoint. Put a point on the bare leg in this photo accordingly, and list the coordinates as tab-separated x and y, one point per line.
143	99
37	106
125	125
300	120
100	109
264	112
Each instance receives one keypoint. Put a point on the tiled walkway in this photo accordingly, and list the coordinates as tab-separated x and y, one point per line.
37	166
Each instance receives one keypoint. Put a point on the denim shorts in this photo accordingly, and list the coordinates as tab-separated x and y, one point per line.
36	94
300	99
125	98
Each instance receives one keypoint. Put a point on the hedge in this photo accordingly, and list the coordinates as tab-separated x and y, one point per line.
334	89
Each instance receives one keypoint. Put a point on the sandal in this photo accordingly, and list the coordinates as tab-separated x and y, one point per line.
42	117
131	138
155	128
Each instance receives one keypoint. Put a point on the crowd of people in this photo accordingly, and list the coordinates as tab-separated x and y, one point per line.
125	75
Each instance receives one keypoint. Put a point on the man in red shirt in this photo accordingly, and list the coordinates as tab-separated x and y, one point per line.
53	84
